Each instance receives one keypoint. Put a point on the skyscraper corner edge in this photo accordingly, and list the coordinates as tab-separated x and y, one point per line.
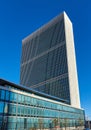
71	60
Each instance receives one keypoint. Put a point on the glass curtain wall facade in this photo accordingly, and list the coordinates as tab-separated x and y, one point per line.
24	109
44	62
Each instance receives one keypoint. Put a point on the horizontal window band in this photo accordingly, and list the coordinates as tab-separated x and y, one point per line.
44	53
50	80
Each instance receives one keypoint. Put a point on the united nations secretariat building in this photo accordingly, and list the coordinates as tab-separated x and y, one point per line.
48	95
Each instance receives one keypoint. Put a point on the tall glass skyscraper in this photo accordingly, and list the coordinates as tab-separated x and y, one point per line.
48	60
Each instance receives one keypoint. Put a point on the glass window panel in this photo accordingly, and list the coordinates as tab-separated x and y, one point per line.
15	97
18	123
2	94
19	110
7	95
22	110
12	109
28	100
1	107
6	108
19	98
22	99
22	123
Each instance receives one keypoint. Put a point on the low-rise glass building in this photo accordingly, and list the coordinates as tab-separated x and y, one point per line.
23	108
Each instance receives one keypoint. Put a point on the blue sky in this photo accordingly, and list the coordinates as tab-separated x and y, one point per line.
19	18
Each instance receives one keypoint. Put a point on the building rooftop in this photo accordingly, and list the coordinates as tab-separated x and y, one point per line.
45	26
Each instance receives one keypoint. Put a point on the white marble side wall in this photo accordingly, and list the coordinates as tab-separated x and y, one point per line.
72	70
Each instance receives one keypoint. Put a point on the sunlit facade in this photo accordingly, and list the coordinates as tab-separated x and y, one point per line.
22	108
48	61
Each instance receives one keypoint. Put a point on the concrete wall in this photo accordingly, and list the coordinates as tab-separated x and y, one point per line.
72	70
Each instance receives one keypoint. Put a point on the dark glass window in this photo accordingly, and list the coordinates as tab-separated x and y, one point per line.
25	123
